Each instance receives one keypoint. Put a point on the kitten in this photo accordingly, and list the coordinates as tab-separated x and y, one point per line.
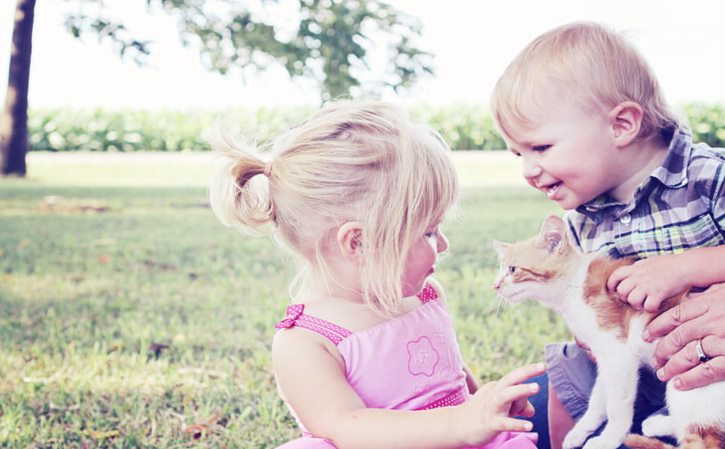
549	269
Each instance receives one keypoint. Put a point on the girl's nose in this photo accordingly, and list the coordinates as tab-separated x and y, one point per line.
441	242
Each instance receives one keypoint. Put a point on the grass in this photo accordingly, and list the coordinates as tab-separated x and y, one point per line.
130	318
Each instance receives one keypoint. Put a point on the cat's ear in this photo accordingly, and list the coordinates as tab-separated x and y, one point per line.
553	234
500	248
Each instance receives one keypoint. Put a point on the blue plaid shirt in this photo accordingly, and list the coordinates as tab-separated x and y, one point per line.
680	205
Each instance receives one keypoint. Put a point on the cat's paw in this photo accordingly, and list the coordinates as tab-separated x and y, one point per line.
658	425
575	438
601	443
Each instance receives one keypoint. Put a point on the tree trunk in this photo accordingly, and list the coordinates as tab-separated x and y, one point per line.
14	130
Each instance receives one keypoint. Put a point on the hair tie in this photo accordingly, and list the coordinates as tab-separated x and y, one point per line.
268	169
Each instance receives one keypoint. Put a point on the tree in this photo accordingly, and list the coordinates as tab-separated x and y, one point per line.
329	41
14	130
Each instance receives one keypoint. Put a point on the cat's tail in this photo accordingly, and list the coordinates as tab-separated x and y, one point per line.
700	437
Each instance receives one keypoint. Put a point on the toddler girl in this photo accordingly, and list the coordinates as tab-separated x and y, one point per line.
367	356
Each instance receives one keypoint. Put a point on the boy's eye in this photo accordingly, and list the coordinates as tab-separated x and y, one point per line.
540	148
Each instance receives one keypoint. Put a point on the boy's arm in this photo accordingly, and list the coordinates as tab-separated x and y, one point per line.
648	282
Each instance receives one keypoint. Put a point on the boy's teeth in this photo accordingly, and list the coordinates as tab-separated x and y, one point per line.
552	189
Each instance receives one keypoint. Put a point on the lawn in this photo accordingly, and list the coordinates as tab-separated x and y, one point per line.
130	318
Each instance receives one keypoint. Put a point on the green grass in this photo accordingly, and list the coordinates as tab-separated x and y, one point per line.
130	318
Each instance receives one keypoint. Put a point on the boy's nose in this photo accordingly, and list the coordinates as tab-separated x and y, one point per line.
530	170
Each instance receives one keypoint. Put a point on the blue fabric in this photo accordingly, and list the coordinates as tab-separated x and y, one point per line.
541	419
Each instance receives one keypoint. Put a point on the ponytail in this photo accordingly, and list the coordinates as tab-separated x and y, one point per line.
237	195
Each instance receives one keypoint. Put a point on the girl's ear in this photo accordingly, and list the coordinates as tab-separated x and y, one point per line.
349	240
626	121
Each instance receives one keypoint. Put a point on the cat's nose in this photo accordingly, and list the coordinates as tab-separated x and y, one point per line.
496	284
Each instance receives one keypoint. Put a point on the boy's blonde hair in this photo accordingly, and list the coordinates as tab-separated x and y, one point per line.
351	161
585	63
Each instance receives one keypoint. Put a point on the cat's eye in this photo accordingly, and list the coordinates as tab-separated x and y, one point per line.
512	270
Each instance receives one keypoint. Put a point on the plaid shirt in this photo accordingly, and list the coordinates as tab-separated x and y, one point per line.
680	205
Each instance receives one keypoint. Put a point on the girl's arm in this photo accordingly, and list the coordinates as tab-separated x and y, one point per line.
311	376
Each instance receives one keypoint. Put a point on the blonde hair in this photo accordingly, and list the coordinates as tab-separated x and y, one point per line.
352	161
588	64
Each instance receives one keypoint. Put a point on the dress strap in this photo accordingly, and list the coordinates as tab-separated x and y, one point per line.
427	294
296	317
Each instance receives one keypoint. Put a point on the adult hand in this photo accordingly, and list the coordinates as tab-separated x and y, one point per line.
699	317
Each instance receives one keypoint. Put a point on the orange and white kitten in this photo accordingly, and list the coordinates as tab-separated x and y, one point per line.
549	269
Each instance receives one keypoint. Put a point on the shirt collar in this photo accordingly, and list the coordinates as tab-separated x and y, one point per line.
672	173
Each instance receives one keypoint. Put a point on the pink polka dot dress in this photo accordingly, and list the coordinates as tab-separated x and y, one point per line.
411	362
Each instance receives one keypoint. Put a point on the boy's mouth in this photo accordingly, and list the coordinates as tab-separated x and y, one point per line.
551	189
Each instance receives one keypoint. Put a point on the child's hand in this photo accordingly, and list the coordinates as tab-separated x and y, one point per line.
648	282
492	409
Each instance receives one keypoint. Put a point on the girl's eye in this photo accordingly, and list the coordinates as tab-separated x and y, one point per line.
431	234
540	148
512	270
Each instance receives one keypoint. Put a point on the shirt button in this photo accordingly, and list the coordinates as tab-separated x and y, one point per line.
625	219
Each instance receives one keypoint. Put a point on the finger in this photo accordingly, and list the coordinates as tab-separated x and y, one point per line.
636	298
618	276
701	375
513	393
527	411
521	374
670	319
502	423
624	288
684	360
676	340
652	303
688	358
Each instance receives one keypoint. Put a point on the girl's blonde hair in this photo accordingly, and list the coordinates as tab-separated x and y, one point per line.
352	161
585	63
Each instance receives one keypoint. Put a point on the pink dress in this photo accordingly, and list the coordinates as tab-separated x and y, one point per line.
411	362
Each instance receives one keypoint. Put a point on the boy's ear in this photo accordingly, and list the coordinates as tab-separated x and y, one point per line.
349	240
626	121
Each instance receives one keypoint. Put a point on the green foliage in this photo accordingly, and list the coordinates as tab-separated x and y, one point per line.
328	41
142	322
129	130
465	127
707	123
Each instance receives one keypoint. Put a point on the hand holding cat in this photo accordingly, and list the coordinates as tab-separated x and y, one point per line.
491	410
648	282
698	318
